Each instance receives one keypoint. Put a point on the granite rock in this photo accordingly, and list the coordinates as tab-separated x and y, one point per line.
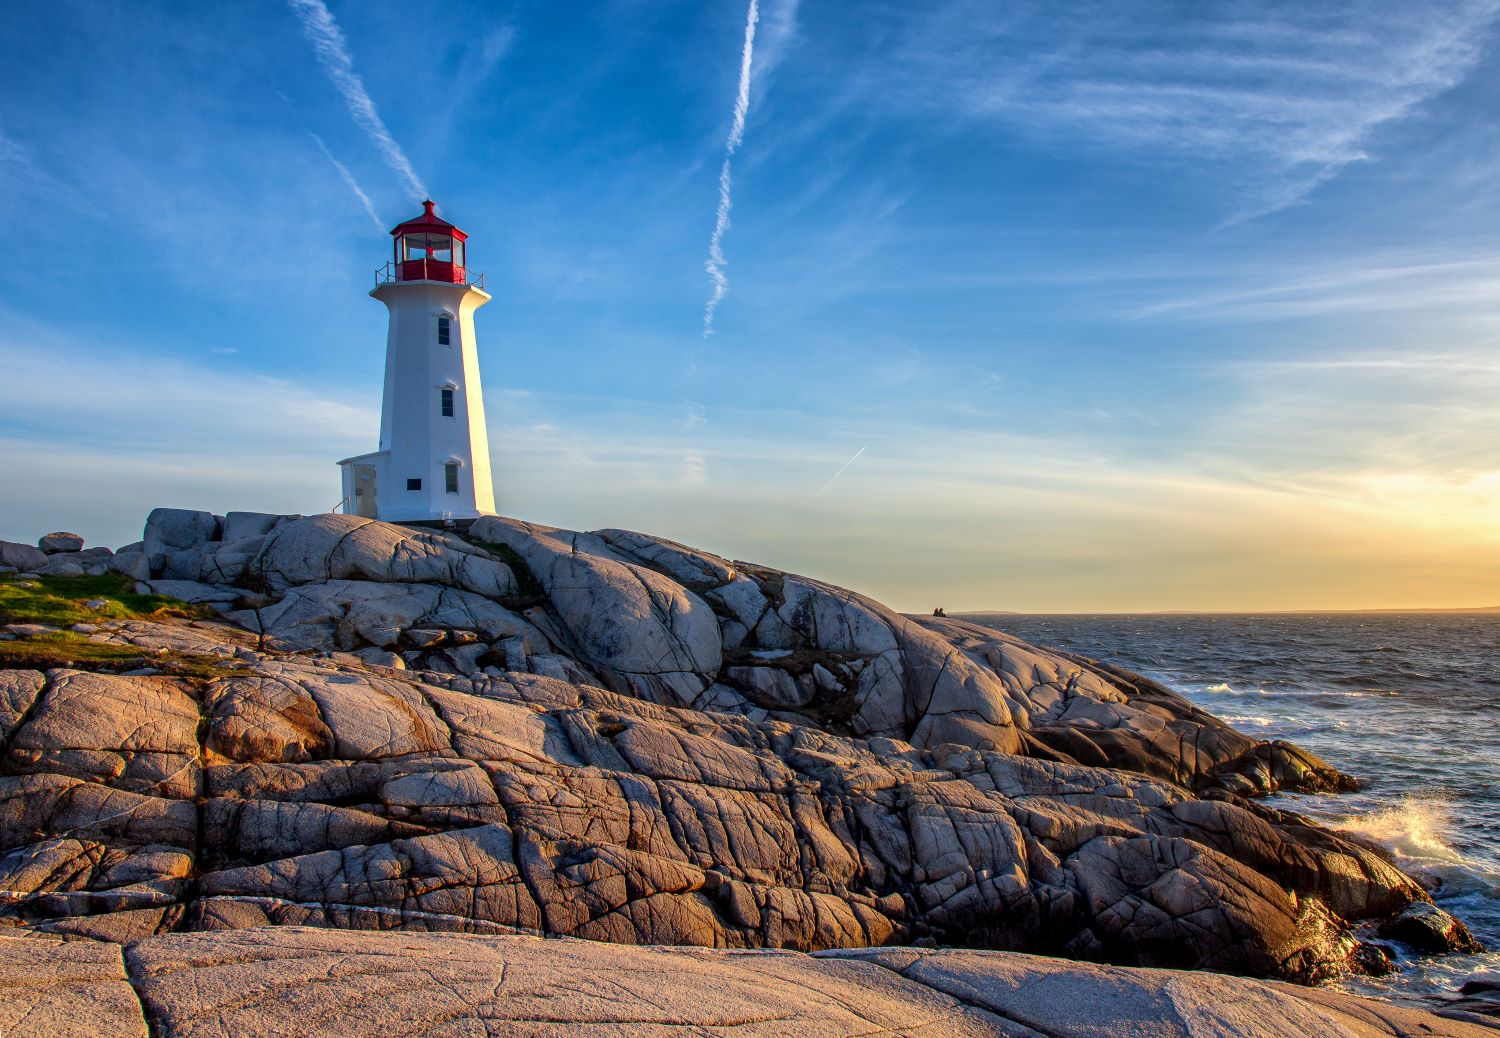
248	983
53	543
22	557
616	737
345	547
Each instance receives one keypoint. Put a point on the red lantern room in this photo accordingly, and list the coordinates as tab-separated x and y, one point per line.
429	248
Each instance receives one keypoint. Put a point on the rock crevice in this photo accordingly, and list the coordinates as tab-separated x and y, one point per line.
658	747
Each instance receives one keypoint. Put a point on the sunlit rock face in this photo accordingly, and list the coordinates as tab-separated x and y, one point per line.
516	729
299	981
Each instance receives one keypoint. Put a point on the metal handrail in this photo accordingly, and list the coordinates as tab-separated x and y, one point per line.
342	502
390	274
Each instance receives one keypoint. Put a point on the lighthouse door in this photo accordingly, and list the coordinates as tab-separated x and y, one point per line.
364	491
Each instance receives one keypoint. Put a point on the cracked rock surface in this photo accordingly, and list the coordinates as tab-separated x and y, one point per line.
614	737
293	980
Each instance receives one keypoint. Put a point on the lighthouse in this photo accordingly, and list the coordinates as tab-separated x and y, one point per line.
434	456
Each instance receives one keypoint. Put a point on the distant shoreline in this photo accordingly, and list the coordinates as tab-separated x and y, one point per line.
1228	612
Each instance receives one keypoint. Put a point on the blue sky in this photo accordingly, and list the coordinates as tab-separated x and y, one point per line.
1133	305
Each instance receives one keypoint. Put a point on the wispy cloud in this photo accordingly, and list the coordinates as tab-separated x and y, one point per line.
18	166
716	261
1279	97
1459	282
775	36
1280	502
484	56
13	158
694	471
359	192
181	434
333	54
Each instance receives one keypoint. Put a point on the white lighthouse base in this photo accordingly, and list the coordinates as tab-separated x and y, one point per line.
372	492
362	482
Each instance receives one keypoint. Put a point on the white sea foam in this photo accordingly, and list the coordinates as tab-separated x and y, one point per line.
1360	695
1419	828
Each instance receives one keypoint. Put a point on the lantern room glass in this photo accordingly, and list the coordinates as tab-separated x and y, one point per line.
435	254
435	247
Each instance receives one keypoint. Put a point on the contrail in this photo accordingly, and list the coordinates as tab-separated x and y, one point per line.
359	192
716	261
333	54
840	472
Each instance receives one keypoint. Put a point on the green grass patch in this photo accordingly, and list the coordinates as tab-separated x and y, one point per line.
59	601
67	649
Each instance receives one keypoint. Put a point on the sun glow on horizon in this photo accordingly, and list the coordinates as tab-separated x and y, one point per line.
1199	312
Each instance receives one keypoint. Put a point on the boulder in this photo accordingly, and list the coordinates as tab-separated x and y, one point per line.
353	614
345	547
53	543
137	734
177	529
132	564
641	631
193	592
771	687
1430	930
375	657
1480	982
244	526
22	557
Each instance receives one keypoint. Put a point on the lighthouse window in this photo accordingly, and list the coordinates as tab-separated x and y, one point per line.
450	478
445	332
440	247
447	403
413	484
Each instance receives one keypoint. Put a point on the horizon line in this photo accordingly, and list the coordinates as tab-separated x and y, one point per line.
956	613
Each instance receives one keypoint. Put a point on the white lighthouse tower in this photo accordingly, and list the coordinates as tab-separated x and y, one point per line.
434	456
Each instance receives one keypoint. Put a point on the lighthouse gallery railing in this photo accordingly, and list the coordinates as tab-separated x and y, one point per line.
447	273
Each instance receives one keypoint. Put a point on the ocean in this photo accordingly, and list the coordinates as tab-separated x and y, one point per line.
1408	703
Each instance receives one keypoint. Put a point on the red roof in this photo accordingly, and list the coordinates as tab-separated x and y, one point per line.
428	221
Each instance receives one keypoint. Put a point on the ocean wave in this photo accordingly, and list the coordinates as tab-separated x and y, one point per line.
1408	704
1251	720
1419	828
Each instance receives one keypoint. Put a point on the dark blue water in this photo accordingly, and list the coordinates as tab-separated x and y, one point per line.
1408	703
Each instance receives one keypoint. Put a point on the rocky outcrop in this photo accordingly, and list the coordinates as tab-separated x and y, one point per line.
615	737
346	547
1429	929
641	631
1479	996
180	544
303	790
57	555
22	557
56	543
309	982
